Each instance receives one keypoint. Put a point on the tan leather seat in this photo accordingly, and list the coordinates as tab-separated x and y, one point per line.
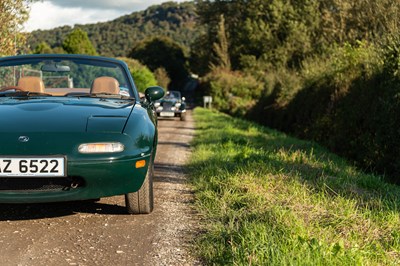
107	85
33	84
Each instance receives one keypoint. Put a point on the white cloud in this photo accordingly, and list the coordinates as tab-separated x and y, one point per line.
45	15
97	4
49	14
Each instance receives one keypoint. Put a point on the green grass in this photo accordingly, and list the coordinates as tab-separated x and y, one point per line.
269	199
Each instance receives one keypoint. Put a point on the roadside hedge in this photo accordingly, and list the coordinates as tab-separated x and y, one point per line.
349	102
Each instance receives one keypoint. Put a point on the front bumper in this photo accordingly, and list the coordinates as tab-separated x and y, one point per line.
97	179
170	113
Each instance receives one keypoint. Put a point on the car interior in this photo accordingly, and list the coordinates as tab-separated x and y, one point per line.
101	85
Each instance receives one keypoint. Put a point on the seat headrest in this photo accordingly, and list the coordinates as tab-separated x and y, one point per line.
105	85
33	84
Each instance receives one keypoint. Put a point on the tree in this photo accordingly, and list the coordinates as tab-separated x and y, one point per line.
355	20
13	13
78	42
200	56
221	48
43	48
278	32
162	77
163	52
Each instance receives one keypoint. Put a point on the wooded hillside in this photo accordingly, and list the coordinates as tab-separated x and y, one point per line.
117	37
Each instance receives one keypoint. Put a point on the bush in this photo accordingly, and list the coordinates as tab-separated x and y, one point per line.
280	87
142	76
338	103
232	92
348	101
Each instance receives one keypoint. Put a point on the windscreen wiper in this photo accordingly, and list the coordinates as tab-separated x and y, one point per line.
106	95
30	94
23	94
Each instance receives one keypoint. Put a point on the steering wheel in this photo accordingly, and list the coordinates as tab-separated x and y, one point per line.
16	88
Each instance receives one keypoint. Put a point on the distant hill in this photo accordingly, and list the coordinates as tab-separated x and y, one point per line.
117	37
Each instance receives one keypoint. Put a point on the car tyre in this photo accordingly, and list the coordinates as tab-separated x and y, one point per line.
183	116
142	201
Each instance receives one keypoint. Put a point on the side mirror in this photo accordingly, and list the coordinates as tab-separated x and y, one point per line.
154	93
183	99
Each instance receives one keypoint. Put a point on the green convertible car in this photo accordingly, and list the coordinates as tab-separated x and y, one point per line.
73	127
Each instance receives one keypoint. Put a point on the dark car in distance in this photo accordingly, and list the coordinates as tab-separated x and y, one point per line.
171	105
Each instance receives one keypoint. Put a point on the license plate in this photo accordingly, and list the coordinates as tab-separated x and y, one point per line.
167	114
32	166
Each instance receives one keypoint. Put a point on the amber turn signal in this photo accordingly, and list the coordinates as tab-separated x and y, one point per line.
140	164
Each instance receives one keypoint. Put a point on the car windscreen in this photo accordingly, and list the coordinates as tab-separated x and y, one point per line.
173	95
66	77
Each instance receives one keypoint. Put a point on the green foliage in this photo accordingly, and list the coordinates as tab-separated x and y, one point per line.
77	42
163	52
232	92
391	55
347	101
355	20
58	50
282	33
323	74
117	37
269	199
200	57
162	77
43	48
276	31
142	76
221	48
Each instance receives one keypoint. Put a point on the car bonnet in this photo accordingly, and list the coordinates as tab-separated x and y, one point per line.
64	115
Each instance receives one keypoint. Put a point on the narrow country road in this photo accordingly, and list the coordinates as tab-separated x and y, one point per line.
100	233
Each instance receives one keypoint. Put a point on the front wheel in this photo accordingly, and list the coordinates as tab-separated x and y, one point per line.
142	201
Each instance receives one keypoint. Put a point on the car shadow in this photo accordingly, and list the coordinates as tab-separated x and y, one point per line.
164	173
14	212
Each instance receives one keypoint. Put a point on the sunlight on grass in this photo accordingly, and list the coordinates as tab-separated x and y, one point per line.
269	199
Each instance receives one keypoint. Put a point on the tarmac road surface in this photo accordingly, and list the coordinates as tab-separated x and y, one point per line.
101	233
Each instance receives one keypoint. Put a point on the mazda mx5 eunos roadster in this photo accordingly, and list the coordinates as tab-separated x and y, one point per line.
73	127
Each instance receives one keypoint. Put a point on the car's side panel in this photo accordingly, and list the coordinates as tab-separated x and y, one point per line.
141	127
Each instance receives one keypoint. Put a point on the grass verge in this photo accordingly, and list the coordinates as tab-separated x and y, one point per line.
269	199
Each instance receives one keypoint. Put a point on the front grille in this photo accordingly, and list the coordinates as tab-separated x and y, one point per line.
167	106
39	184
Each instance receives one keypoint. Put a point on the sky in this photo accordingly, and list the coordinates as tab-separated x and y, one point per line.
48	14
